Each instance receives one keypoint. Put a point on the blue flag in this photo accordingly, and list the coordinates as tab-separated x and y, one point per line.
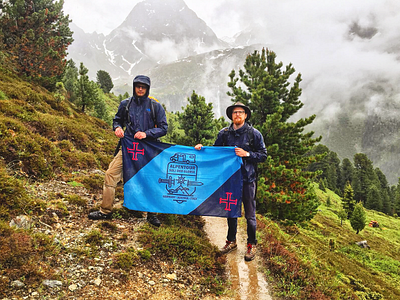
175	179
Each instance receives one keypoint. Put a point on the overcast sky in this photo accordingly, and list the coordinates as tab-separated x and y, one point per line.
103	16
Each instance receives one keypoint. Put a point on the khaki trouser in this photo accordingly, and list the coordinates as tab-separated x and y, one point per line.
111	179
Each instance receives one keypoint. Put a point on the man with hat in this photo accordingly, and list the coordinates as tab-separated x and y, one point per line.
143	118
249	144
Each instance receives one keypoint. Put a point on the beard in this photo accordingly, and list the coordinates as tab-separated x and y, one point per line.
238	121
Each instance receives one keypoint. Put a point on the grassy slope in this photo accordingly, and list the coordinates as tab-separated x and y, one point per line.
41	138
328	258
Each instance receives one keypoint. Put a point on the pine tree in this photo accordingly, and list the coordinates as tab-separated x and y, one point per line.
100	108
86	90
346	173
396	208
348	202
342	215
374	200
364	177
328	165
197	120
358	218
105	81
384	192
36	34
60	92
285	188
70	79
328	201
333	171
174	133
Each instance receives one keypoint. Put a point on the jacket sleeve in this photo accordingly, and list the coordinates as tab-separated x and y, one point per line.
119	120
161	122
260	152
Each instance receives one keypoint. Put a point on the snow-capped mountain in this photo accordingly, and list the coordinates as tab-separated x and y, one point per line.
155	32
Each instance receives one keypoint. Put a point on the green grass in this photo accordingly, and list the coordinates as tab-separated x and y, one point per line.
326	256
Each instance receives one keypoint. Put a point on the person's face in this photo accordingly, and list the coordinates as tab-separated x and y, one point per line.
239	116
140	89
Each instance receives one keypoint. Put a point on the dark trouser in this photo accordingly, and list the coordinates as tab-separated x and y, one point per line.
249	202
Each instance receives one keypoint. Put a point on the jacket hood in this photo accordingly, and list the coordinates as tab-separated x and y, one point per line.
144	80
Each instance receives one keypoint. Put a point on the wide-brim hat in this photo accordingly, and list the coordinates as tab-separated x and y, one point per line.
229	110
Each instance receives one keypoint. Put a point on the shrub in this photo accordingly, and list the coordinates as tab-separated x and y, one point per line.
94	238
2	96
76	200
126	260
181	244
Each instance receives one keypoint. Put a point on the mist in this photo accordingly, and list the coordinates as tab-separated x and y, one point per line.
343	49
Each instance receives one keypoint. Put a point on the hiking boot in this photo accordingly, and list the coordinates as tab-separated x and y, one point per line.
229	246
153	220
251	252
98	215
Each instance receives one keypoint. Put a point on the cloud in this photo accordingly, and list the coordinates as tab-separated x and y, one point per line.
336	63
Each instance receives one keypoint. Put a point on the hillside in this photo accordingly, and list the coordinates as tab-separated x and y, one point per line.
327	251
52	163
41	137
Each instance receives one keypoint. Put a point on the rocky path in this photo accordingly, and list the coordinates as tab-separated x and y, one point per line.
248	283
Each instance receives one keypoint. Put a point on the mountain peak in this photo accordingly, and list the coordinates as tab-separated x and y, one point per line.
172	19
155	32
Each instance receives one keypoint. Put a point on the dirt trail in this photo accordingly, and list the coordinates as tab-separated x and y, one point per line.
247	282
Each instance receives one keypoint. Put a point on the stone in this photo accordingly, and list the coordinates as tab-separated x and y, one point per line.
171	276
21	222
97	281
17	284
52	283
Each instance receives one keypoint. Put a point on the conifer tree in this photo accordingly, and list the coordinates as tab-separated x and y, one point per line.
104	80
374	200
197	120
358	218
384	191
100	108
346	173
70	79
364	177
342	215
328	164
36	34
174	133
396	208
86	90
392	200
348	202
285	189
328	201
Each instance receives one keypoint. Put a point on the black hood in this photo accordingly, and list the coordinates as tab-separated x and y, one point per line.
144	80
